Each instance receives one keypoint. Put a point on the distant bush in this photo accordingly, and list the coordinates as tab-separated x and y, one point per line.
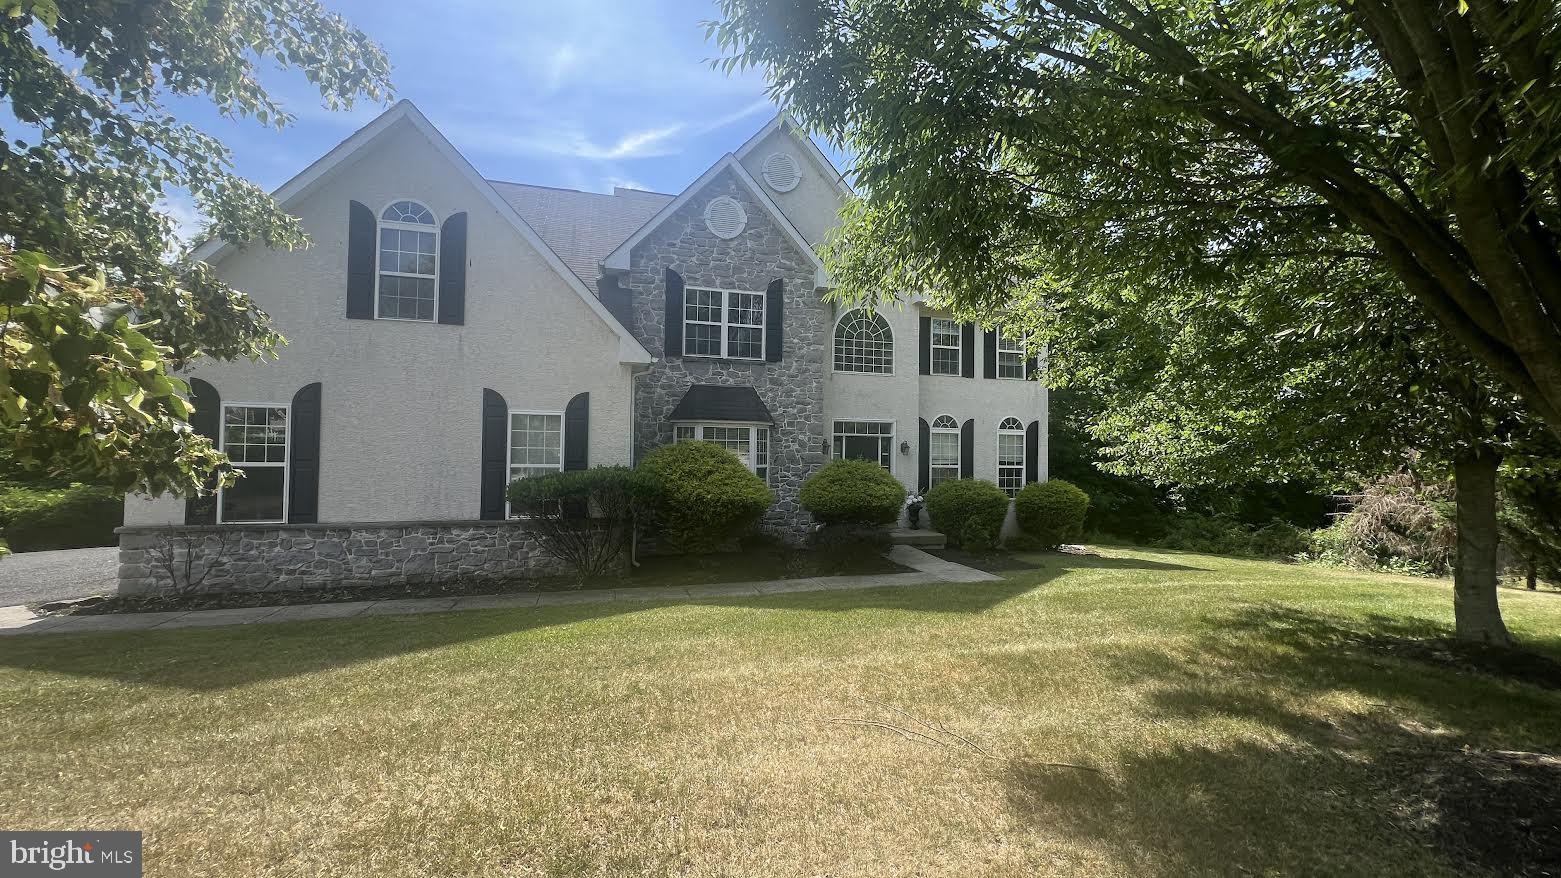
1397	524
853	492
586	518
969	512
707	497
34	518
1220	535
1052	512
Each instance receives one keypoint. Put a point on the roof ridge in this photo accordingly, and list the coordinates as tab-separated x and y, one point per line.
613	194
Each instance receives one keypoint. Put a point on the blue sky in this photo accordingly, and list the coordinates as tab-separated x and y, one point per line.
581	94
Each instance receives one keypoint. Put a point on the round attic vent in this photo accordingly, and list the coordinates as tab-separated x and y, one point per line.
781	172
725	217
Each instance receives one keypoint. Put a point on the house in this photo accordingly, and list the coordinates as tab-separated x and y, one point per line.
448	333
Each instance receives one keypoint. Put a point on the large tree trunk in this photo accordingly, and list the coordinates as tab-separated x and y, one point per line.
1476	612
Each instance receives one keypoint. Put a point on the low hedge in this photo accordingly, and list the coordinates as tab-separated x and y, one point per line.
707	497
1051	512
969	512
853	492
35	518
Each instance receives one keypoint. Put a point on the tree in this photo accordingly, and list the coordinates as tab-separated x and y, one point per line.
1125	134
99	303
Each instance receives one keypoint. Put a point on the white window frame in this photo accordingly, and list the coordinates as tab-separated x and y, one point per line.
958	347
726	324
834	433
287	453
959	451
1024	453
835	348
509	449
753	428
1008	347
380	223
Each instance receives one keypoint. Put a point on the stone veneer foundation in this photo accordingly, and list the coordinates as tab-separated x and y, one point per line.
792	389
289	557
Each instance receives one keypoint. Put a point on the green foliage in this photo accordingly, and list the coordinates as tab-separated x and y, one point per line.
969	512
1222	535
1530	512
586	518
1398	524
855	492
1052	512
708	498
34	518
97	296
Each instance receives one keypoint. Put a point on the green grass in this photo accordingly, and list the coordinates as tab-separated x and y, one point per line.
1241	717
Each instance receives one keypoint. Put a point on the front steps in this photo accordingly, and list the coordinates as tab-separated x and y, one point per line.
925	539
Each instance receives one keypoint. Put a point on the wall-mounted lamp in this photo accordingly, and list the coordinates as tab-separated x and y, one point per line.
905	448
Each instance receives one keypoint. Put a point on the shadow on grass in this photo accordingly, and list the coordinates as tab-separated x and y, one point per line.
1452	768
1057	562
218	658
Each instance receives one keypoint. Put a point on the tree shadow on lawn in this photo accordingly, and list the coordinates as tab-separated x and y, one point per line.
215	658
1056	562
1452	768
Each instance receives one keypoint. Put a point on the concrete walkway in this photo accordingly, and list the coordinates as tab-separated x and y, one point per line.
927	570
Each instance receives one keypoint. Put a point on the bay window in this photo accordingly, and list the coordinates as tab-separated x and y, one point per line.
749	442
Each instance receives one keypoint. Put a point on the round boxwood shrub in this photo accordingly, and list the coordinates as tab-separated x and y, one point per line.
1052	512
853	492
969	512
707	497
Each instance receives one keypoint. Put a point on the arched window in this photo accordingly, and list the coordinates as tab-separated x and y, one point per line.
864	343
1010	455
943	451
408	262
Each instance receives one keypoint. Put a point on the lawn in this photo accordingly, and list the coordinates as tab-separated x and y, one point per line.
1138	713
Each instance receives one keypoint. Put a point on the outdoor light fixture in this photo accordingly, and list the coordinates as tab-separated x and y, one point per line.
905	448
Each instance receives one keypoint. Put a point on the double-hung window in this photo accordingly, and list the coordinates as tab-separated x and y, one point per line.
723	323
750	442
254	436
408	262
536	444
945	346
865	440
943	452
1010	455
1010	354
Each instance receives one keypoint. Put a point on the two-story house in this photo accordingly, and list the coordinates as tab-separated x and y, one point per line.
448	333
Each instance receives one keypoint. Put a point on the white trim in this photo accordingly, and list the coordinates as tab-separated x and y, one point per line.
811	149
959	443
287	455
997	358
1024	453
619	259
436	230
725	323
509	448
894	433
933	347
629	349
834	341
753	440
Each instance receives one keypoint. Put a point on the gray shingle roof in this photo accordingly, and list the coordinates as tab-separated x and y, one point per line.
582	227
722	402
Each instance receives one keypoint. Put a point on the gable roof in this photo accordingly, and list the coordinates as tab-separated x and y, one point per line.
629	348
618	259
785	121
582	227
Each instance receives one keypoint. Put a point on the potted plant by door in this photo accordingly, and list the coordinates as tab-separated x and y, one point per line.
913	505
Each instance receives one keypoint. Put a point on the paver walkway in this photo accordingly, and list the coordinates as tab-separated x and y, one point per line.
927	570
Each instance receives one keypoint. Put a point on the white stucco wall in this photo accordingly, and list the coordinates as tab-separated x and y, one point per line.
401	413
814	205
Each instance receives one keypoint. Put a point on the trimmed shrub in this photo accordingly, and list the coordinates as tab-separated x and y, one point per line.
707	497
585	518
969	512
35	518
1052	512
855	492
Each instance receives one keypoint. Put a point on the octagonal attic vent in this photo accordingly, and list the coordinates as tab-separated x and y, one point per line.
725	217
781	172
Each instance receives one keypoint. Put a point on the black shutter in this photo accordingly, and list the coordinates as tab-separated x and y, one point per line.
989	342
360	261
673	345
925	458
495	454
207	421
1032	452
1030	365
774	320
577	431
452	270
926	345
967	450
967	350
303	457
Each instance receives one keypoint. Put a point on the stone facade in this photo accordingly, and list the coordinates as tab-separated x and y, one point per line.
792	389
304	556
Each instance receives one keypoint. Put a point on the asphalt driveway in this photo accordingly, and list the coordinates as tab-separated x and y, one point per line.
28	577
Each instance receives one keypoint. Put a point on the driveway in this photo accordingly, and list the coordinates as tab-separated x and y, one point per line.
28	577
